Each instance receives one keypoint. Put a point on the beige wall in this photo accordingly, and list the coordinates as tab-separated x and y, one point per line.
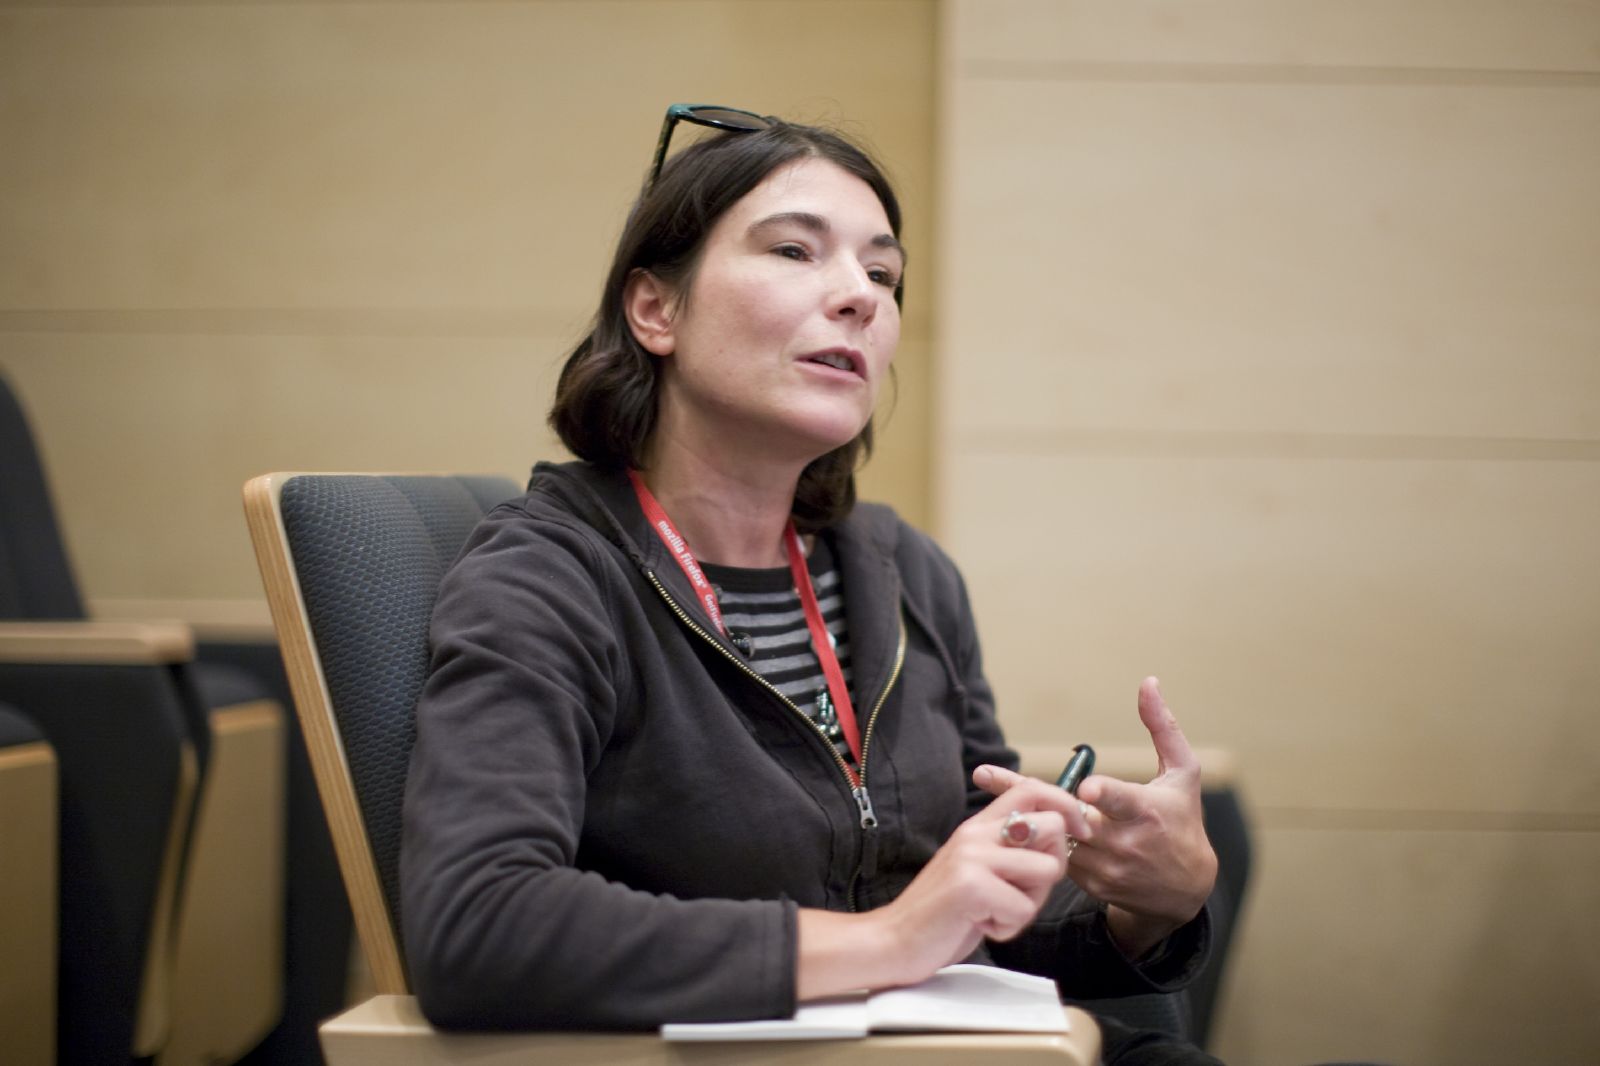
1269	362
244	237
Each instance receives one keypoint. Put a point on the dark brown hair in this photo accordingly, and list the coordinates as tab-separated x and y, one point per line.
605	405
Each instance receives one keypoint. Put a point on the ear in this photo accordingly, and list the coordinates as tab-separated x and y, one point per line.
648	304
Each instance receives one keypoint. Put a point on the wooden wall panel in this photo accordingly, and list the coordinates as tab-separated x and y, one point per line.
1367	635
335	236
1407	946
473	157
167	427
1268	364
1392	260
164	429
1282	38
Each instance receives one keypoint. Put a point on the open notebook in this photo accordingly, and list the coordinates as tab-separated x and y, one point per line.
963	998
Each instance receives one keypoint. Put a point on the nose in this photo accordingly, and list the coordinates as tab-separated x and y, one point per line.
853	295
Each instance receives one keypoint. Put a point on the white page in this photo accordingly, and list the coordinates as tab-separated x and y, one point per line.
960	998
825	1019
971	998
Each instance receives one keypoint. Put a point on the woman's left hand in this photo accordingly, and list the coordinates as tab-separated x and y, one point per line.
1145	852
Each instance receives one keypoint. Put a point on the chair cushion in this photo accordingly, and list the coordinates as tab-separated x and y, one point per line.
16	728
370	552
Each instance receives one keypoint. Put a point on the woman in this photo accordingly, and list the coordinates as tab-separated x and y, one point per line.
643	788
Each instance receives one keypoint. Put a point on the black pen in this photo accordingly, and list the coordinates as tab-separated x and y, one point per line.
1080	766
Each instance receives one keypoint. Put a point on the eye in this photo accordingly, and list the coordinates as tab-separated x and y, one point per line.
792	251
885	277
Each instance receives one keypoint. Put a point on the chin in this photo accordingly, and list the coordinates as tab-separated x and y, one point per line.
823	436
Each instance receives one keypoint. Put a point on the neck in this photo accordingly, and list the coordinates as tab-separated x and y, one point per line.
730	509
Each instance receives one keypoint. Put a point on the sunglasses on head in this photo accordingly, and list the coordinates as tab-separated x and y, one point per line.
732	119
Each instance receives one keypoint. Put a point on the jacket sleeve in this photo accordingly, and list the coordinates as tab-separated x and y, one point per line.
1070	941
501	929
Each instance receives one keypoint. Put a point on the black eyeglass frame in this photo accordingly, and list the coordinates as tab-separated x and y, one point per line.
731	119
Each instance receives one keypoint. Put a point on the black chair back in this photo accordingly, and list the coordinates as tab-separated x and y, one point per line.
1229	831
36	580
368	553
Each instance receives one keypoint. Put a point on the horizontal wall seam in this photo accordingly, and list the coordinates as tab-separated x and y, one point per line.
292	322
447	322
1166	73
1312	819
68	5
1270	445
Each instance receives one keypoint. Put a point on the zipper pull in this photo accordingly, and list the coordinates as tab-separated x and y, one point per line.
864	804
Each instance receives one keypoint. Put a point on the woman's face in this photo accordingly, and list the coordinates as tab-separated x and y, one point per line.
790	323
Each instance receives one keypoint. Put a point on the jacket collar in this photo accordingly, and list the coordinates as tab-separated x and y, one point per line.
864	546
864	549
605	501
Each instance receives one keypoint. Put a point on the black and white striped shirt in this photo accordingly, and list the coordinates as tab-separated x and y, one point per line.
765	620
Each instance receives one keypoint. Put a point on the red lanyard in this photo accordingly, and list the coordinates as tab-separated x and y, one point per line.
821	642
680	550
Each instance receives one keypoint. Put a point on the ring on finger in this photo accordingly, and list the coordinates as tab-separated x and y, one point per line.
1072	846
1017	830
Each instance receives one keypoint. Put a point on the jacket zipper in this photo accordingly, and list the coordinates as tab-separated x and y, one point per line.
864	801
858	786
868	819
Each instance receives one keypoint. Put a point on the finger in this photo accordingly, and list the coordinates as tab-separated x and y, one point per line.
1050	834
1030	795
1009	910
1078	821
1025	828
1121	801
995	780
1172	748
1027	868
1046	831
1014	791
1019	830
1089	870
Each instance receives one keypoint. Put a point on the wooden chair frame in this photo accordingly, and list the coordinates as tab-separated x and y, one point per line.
314	709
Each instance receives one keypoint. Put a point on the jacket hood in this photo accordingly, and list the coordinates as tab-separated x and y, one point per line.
603	500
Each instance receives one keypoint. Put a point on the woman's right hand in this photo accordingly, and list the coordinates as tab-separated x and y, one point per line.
975	887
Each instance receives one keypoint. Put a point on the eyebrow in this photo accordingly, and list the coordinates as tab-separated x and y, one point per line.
818	224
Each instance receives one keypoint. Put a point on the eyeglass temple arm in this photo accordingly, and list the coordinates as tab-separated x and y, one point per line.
667	125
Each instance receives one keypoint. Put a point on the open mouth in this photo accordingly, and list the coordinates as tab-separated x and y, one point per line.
838	358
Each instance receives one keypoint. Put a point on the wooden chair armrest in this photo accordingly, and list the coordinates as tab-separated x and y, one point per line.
391	1030
30	829
104	643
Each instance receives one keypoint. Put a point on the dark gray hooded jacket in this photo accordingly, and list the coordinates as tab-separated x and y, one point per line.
611	820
